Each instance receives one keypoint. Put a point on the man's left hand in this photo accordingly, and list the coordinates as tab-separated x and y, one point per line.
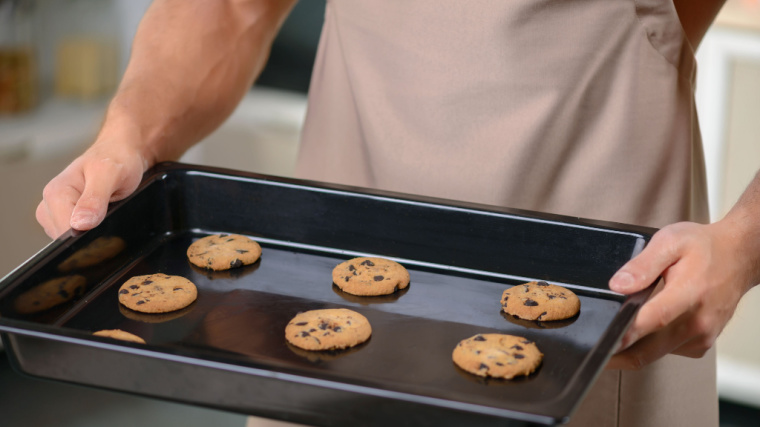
704	274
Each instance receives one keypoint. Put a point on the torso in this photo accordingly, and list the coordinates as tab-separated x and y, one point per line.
580	107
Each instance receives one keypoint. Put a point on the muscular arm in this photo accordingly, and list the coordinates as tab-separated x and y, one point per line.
192	61
191	64
697	16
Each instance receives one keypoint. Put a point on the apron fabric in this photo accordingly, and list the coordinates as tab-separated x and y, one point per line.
576	107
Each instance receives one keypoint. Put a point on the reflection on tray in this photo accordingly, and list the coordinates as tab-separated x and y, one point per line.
233	273
317	357
155	317
101	249
491	381
369	300
537	324
49	294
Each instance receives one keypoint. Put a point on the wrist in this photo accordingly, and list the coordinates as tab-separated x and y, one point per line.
121	140
124	132
741	230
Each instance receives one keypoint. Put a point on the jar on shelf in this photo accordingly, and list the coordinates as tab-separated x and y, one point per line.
18	65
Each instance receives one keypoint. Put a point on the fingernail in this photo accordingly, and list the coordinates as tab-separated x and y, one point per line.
82	220
621	281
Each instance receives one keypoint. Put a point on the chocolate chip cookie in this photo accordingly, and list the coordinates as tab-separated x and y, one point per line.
540	301
328	329
223	251
497	355
368	276
157	293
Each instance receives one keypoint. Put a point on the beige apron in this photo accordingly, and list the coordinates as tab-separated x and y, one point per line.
577	107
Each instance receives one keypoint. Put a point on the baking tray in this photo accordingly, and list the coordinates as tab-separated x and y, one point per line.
227	350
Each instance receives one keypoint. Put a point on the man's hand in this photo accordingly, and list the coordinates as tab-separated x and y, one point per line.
191	63
705	271
78	197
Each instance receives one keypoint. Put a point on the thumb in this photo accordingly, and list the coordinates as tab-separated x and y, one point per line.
90	209
645	268
88	213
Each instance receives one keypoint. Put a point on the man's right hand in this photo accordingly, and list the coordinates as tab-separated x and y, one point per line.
78	197
191	63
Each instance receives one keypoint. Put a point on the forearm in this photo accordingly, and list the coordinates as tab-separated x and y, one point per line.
191	63
742	226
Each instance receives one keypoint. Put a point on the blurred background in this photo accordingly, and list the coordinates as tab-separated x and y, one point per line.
60	61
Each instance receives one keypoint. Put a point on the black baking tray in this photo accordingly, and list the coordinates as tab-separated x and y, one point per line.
227	350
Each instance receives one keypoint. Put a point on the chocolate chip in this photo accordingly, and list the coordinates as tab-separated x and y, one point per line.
477	351
337	329
302	323
241	251
482	366
552	296
516	347
235	263
178	289
133	287
147	282
312	330
541	316
499	364
519	356
124	291
542	283
223	235
305	334
231	239
351	267
346	278
378	278
141	302
479	338
530	303
368	262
